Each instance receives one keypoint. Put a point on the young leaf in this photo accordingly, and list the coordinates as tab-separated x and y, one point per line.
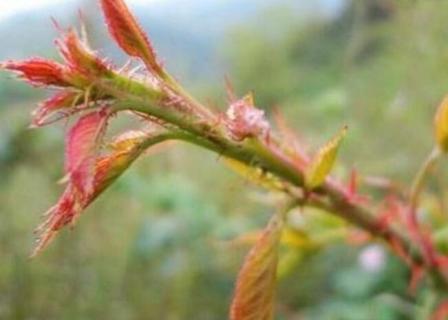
79	58
254	175
323	161
55	108
39	72
128	34
82	145
107	168
255	287
441	125
128	139
71	204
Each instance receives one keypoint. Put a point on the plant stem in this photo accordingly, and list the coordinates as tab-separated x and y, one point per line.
421	175
270	156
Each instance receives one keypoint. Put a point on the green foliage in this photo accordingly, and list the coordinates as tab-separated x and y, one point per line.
355	70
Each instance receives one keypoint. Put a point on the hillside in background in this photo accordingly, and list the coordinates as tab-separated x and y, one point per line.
187	34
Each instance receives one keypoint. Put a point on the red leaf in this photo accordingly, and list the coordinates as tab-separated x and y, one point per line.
79	57
39	72
57	103
72	203
128	34
63	213
82	145
255	288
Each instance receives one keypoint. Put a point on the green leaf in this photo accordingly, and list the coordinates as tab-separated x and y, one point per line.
254	174
323	161
441	125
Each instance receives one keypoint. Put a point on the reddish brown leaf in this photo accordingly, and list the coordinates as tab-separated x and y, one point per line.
126	31
255	287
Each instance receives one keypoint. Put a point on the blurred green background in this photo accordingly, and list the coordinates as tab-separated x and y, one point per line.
160	244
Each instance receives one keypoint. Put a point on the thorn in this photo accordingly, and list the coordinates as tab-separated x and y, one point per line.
231	97
56	24
65	179
83	28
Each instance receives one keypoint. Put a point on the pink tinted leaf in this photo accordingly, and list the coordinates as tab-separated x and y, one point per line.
60	102
82	144
63	213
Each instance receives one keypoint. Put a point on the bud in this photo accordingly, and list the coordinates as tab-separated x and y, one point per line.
441	125
79	57
245	120
126	31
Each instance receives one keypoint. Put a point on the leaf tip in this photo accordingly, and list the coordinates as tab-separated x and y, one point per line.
324	160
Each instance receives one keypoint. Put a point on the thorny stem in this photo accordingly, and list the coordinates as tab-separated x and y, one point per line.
270	156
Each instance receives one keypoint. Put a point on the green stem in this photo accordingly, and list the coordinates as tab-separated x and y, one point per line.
136	96
422	174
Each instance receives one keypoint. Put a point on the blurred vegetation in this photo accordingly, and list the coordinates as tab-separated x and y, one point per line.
159	244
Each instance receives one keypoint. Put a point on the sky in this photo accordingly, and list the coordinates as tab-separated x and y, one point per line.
9	8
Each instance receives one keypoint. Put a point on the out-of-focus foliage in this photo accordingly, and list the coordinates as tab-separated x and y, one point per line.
380	68
167	240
